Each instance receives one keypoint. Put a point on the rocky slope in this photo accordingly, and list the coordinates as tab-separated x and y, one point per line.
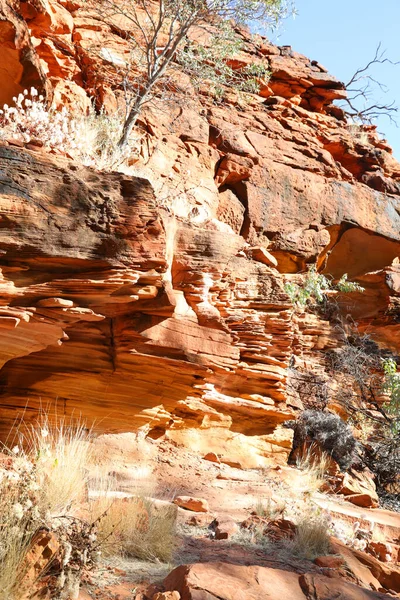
154	300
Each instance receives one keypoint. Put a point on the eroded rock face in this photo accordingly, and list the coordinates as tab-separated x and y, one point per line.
110	307
162	306
225	581
19	64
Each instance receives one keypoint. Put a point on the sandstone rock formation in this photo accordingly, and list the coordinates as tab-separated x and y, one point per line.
160	306
228	582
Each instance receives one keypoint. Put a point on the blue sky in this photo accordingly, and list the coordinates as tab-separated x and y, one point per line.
343	36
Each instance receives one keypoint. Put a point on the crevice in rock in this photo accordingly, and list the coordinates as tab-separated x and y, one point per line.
240	191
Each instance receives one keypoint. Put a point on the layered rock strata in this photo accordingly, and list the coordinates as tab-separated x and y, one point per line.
154	300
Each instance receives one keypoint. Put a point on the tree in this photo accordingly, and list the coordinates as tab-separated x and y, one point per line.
158	30
362	87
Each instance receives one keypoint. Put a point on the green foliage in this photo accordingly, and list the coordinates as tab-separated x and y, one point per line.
315	286
211	63
348	286
158	33
391	386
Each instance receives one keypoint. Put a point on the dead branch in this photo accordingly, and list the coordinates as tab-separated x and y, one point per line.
362	86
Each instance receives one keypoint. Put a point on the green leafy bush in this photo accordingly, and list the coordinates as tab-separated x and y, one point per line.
315	287
211	63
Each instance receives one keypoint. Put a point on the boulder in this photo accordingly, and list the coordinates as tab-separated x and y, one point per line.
224	527
359	488
319	587
221	581
195	504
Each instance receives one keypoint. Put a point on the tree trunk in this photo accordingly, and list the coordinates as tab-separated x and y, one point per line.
129	125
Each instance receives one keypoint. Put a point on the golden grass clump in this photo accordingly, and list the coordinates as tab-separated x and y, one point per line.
270	508
136	527
312	535
313	467
44	476
61	453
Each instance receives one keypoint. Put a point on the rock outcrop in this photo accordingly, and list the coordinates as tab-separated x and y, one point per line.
228	582
161	306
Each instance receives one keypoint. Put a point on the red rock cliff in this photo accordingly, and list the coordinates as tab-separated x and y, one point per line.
155	299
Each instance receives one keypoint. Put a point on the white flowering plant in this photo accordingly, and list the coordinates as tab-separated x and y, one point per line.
19	519
30	119
90	138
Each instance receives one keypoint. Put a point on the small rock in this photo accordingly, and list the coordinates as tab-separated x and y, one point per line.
363	500
212	457
200	520
34	147
55	303
194	504
224	527
167	596
280	529
330	562
14	142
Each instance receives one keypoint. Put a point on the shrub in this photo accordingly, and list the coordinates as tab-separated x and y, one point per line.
383	458
372	371
315	286
391	385
211	64
19	519
40	485
329	431
89	138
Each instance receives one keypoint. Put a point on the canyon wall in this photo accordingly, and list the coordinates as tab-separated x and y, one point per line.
153	300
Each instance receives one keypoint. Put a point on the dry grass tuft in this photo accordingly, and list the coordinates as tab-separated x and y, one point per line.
15	537
61	452
136	527
312	537
44	476
271	508
19	520
313	466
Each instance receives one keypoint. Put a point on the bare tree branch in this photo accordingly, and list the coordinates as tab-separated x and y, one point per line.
361	86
